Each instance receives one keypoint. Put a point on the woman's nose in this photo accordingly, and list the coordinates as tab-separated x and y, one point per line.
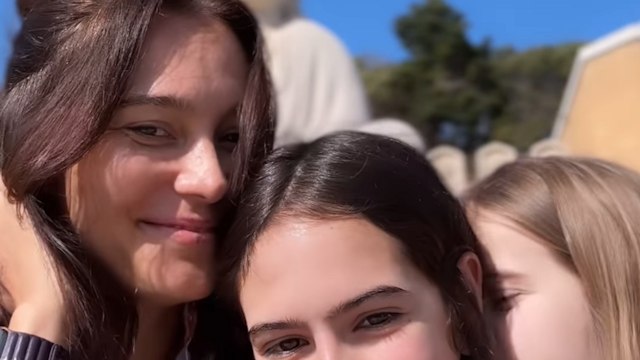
201	175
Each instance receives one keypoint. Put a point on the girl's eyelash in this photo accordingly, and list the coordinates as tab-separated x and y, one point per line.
274	351
371	322
503	302
378	320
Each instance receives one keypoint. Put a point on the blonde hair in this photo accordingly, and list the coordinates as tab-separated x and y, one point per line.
588	212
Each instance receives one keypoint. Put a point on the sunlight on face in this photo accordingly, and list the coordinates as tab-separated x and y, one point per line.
541	312
340	289
142	198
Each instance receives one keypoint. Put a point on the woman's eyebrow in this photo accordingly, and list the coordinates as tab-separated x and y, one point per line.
168	101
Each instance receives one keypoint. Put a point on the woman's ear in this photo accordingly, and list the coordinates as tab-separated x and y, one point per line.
471	270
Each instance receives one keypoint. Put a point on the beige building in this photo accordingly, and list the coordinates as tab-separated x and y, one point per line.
600	110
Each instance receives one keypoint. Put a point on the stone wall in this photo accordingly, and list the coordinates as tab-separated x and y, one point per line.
459	171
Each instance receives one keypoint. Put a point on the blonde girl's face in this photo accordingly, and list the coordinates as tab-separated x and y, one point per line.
540	311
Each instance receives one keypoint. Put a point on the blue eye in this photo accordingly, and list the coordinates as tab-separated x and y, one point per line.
378	320
286	347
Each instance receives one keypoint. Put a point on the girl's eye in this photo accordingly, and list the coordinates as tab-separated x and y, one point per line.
286	347
504	302
377	321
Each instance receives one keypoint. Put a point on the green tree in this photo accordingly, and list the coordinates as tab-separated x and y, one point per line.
461	93
447	88
534	81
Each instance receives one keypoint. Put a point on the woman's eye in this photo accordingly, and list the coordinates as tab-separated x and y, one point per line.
233	137
149	131
286	346
229	141
377	320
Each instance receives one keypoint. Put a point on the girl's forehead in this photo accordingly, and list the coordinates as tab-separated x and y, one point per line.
324	259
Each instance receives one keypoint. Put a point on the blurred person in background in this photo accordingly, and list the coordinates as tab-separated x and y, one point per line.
397	129
318	86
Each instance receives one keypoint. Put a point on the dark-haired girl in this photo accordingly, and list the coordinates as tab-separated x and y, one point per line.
351	248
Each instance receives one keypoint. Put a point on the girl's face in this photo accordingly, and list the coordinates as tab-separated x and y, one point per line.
148	198
340	289
541	312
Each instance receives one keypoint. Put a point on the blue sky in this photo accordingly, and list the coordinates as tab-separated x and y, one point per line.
8	25
366	26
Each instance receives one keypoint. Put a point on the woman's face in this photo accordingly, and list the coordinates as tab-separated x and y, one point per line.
541	312
148	198
340	289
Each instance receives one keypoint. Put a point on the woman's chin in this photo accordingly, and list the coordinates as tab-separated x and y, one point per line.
188	293
179	287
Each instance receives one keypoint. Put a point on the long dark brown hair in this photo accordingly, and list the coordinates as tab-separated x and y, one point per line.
385	182
72	63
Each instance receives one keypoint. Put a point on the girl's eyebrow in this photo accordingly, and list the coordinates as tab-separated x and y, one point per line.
380	291
288	324
262	328
497	278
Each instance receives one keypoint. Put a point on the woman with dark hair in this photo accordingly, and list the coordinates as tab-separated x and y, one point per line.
351	248
125	130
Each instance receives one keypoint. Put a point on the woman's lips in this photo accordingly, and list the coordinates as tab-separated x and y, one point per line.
184	232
